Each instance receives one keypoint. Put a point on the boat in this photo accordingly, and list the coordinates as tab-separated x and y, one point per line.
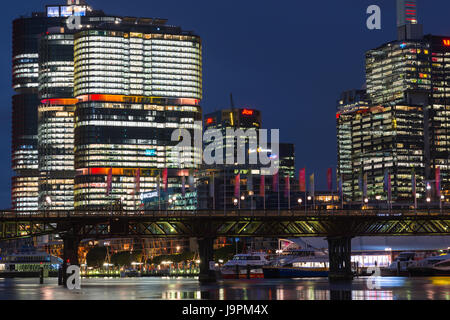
301	263
431	266
244	266
29	260
400	264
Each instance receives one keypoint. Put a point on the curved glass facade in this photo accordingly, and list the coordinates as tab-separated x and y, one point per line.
122	63
127	137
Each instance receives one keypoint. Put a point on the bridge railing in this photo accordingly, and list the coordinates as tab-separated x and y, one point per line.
218	213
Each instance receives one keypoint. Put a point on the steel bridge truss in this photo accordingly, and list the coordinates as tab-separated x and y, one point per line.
182	224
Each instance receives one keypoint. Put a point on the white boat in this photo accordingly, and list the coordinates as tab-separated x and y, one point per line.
247	264
402	262
29	260
298	263
431	266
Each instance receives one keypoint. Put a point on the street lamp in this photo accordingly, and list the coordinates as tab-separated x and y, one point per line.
299	201
366	200
235	201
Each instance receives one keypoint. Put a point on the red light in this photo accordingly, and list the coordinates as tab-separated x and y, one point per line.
337	115
247	112
209	120
446	42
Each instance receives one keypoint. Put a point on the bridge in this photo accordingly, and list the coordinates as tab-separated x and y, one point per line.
337	226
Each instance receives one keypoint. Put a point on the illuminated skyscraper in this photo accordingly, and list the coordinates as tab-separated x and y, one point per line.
351	103
137	80
56	121
42	71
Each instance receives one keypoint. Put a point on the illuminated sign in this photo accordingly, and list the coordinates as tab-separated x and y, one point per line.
66	11
150	152
209	120
149	195
247	112
52	12
446	42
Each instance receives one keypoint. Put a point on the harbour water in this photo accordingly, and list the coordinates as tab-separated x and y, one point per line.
387	288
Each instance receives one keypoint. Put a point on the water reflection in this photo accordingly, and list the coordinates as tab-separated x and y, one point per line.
394	288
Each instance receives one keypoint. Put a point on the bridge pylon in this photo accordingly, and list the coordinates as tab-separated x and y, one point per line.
70	254
339	253
206	252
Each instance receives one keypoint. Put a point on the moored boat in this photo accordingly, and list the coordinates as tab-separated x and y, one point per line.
245	265
431	266
304	263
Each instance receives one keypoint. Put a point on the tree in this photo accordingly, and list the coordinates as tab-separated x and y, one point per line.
96	257
125	258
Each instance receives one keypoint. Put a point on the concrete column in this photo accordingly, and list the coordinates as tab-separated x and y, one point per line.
339	250
205	248
70	255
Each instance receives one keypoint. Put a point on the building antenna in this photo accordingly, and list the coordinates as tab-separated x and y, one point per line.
231	101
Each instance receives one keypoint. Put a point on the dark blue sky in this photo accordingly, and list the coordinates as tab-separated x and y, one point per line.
290	59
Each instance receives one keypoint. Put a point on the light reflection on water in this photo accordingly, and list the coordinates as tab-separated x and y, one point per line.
392	288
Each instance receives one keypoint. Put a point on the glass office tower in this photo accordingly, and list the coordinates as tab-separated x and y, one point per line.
55	121
27	32
137	81
349	105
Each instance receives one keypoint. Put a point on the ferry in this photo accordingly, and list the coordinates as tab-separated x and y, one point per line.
302	263
29	260
400	265
248	265
431	266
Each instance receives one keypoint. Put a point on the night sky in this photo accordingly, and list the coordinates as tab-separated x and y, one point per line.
290	59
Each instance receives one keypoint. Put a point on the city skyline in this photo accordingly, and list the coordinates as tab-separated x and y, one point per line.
216	91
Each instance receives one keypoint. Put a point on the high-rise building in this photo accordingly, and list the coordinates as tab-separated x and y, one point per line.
411	74
437	139
77	110
286	158
234	125
56	121
387	139
27	31
399	72
351	103
137	81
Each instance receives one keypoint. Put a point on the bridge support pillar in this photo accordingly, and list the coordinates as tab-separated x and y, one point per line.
339	250
70	255
206	252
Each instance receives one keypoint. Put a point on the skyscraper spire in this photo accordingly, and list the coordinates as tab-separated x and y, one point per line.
407	23
406	12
